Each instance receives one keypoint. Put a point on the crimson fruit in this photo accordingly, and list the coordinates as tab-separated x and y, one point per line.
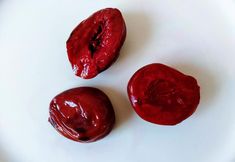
96	42
83	114
162	95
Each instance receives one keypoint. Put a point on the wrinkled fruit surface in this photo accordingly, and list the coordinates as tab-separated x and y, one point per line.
162	95
96	42
82	114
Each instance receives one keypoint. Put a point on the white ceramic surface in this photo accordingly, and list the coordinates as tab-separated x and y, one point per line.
194	36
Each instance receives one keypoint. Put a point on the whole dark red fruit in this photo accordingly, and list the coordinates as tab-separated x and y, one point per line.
96	42
83	114
162	95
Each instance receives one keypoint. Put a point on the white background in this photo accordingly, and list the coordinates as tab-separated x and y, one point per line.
194	36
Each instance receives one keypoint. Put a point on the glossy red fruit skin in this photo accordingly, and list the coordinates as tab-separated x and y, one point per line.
83	114
162	95
96	42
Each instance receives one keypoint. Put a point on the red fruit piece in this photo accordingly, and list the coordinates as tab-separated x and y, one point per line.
96	42
162	95
82	114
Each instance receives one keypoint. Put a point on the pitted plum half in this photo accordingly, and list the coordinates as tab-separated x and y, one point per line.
162	95
83	114
96	42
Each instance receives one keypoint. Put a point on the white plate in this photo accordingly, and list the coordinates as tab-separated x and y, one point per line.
194	36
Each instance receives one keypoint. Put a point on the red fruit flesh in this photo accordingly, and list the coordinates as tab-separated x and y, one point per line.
96	42
82	114
162	95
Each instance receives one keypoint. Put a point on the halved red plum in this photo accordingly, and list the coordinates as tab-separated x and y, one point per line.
162	95
96	42
83	114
